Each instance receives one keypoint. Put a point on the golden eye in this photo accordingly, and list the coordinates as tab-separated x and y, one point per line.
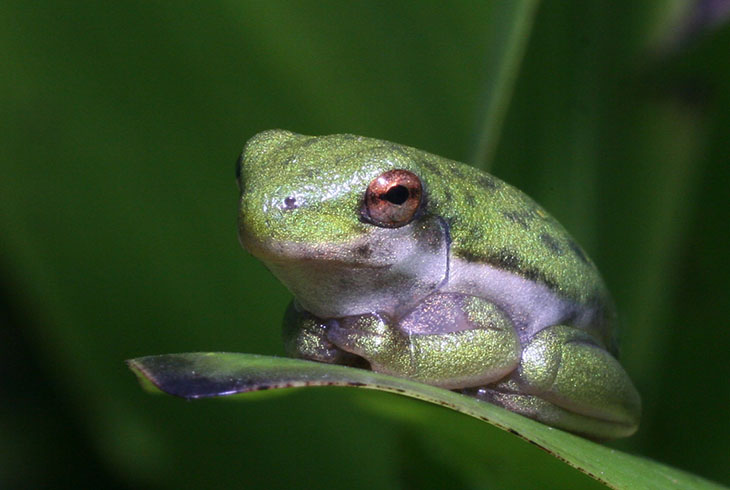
393	198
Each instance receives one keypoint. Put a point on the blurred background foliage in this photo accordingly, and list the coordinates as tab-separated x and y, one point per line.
120	126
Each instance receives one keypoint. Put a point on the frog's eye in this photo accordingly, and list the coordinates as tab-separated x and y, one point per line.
393	199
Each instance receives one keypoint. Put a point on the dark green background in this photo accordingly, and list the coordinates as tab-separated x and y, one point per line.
120	123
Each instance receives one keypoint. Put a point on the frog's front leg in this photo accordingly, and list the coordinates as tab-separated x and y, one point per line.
447	340
305	337
567	380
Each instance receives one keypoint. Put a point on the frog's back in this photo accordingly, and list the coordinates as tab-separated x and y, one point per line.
500	229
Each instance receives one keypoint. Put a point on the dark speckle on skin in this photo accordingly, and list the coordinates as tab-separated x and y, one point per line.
508	260
470	199
577	251
551	243
288	161
518	217
470	257
433	238
460	172
434	169
531	274
364	251
447	195
399	149
486	181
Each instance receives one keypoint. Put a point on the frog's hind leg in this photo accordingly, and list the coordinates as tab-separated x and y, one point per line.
566	380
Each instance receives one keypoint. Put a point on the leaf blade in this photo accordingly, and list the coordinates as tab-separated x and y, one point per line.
510	33
211	374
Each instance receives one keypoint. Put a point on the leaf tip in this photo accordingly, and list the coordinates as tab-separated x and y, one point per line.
143	377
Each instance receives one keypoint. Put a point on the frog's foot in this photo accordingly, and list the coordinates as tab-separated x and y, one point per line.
568	381
448	340
305	337
548	413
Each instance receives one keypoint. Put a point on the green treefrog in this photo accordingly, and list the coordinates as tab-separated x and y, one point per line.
421	267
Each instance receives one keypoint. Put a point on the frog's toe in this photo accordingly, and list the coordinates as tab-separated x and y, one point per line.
364	335
536	408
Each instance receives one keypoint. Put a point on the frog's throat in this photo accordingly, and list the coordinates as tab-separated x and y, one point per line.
382	272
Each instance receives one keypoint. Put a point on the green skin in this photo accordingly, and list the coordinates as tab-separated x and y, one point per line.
482	292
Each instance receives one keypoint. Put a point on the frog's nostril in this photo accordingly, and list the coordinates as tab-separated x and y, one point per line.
290	203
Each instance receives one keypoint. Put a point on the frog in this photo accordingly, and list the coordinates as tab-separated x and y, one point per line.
421	267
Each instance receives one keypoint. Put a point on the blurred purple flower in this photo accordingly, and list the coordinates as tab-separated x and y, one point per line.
702	16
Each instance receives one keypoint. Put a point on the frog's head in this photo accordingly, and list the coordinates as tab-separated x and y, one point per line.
341	220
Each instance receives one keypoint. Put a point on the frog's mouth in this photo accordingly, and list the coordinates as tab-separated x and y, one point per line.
379	248
356	255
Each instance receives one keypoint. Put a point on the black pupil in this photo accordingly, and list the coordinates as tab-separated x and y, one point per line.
397	194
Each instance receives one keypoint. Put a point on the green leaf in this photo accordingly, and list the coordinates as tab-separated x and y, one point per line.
209	374
511	23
